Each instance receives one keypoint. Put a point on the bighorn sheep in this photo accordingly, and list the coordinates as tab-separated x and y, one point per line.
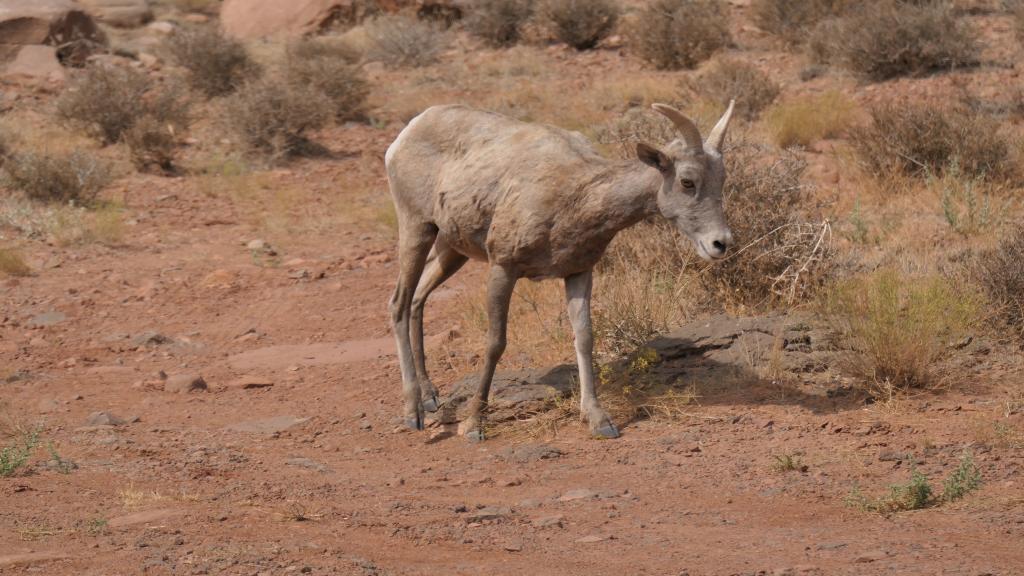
534	201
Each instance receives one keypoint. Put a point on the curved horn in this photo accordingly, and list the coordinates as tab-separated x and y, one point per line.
687	129
717	136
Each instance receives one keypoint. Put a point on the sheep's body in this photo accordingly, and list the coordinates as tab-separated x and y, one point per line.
541	209
535	202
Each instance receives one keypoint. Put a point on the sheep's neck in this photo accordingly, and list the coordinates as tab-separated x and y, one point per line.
628	194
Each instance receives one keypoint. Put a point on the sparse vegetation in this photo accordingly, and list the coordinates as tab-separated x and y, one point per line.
804	120
272	117
967	203
918	492
898	327
581	23
67	177
500	22
401	40
107	101
1000	274
676	34
965	479
891	38
216	65
919	140
788	463
728	78
12	264
313	64
15	455
793	21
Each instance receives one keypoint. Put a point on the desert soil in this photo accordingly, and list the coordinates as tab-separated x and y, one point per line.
291	460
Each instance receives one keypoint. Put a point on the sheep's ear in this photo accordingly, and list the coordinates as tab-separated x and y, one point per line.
653	157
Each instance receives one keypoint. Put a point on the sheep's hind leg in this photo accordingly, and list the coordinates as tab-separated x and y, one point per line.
577	295
500	284
442	264
415	240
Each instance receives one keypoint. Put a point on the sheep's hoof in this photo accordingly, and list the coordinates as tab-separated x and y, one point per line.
472	429
608	431
431	404
414	422
475	436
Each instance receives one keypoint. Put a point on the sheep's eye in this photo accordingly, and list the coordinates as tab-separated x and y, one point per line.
688	184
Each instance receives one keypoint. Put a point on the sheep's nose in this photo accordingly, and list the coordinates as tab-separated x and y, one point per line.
720	247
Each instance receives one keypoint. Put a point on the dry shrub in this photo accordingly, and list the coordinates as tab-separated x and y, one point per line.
889	38
675	34
151	143
331	71
12	264
76	177
728	78
636	125
500	22
1000	274
403	40
272	117
782	254
792	21
918	140
804	120
898	327
581	23
216	65
107	101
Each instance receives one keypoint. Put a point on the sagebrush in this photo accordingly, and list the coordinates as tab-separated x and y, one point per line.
333	73
679	34
725	79
803	120
999	272
216	64
272	117
889	38
792	21
76	177
404	40
581	23
500	22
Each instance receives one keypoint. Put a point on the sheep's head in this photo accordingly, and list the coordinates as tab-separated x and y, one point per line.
693	174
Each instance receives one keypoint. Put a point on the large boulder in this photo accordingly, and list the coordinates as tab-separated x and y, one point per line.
47	22
251	19
123	13
34	63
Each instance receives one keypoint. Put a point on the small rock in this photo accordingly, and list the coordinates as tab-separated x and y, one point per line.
249	382
46	319
578	494
488	513
590	539
513	545
365	425
258	245
307	463
196	18
162	27
148	60
149	338
184	383
553	521
48	405
104	419
872	556
531	453
890	456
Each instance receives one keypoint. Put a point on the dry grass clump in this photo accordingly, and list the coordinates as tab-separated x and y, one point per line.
106	101
728	78
216	65
889	38
804	120
1000	274
917	140
272	116
332	71
781	254
402	40
151	143
12	264
792	21
581	23
898	327
676	34
72	177
500	22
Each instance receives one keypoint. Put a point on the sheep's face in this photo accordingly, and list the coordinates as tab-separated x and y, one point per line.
691	195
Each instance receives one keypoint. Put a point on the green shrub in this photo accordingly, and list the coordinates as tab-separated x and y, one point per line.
216	65
500	22
898	328
581	23
676	34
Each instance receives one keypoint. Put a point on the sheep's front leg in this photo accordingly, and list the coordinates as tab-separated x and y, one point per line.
577	295
500	284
